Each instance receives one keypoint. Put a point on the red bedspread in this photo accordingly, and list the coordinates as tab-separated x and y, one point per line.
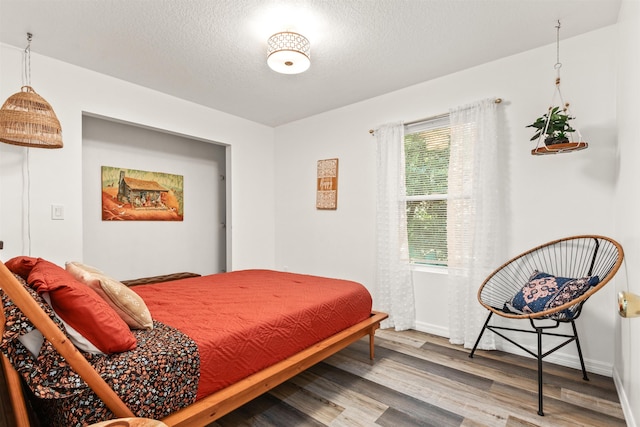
245	321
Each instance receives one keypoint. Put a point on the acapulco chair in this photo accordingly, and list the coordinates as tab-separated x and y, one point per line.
549	282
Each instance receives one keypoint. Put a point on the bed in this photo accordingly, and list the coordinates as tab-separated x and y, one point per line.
214	342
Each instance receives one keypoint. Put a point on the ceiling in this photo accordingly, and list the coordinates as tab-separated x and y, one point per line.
213	52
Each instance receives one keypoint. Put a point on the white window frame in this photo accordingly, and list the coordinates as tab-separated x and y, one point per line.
416	127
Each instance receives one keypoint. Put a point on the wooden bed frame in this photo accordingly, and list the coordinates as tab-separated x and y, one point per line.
200	413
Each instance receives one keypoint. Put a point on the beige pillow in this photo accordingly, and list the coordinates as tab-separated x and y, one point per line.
129	305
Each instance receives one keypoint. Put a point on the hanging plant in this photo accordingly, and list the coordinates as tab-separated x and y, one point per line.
553	129
553	126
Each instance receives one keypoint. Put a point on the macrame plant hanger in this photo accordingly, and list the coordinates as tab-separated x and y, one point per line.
543	146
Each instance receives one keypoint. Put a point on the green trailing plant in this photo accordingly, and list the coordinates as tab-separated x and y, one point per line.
556	132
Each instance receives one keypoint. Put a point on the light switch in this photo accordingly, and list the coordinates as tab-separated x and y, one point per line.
57	212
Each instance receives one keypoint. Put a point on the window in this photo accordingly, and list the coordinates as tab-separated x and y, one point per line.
426	147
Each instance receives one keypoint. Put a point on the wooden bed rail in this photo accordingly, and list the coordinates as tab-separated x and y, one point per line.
64	346
218	404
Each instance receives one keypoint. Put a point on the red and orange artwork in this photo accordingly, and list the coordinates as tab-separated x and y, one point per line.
135	195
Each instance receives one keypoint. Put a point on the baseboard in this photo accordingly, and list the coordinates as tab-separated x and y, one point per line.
432	329
570	361
624	401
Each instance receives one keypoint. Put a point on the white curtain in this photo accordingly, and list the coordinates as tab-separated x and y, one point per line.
475	226
394	286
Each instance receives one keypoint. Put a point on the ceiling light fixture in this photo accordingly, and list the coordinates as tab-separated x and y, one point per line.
288	53
26	118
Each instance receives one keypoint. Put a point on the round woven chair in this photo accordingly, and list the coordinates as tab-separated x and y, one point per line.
549	282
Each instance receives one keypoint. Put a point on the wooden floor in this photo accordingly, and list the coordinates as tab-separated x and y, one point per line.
421	380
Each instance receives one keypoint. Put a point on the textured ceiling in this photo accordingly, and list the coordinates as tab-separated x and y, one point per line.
213	52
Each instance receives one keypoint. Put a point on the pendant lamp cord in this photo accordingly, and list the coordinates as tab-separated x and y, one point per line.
26	195
26	204
26	62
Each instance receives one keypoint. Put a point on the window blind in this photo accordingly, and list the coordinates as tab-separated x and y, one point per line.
426	173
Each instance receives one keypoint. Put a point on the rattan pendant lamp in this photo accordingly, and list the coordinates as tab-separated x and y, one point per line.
26	118
553	132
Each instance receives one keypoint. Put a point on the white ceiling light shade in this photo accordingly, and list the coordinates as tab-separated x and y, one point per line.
288	53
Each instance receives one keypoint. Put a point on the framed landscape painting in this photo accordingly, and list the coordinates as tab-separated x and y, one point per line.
135	195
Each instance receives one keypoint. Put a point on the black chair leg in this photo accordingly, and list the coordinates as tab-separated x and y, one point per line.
575	334
480	336
539	331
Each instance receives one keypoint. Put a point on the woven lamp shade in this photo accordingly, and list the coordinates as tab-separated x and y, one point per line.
27	119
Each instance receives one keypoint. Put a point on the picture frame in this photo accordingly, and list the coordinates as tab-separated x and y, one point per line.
327	184
137	195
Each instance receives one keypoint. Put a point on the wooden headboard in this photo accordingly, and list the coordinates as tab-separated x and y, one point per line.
12	399
63	346
7	417
15	409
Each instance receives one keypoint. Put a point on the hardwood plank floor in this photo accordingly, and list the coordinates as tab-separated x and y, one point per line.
419	379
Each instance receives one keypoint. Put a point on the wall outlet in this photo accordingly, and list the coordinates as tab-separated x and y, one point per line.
57	212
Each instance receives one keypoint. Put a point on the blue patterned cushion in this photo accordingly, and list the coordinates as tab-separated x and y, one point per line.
544	291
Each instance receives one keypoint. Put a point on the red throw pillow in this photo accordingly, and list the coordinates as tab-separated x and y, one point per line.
21	265
82	308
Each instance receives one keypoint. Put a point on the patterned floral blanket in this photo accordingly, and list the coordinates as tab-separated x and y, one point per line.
159	377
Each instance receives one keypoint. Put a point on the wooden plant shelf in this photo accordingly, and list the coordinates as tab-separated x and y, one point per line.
559	148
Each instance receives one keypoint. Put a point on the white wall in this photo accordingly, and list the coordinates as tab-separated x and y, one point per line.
550	196
146	248
627	360
273	218
56	175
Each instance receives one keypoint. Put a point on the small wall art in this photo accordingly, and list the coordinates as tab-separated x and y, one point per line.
327	186
135	195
